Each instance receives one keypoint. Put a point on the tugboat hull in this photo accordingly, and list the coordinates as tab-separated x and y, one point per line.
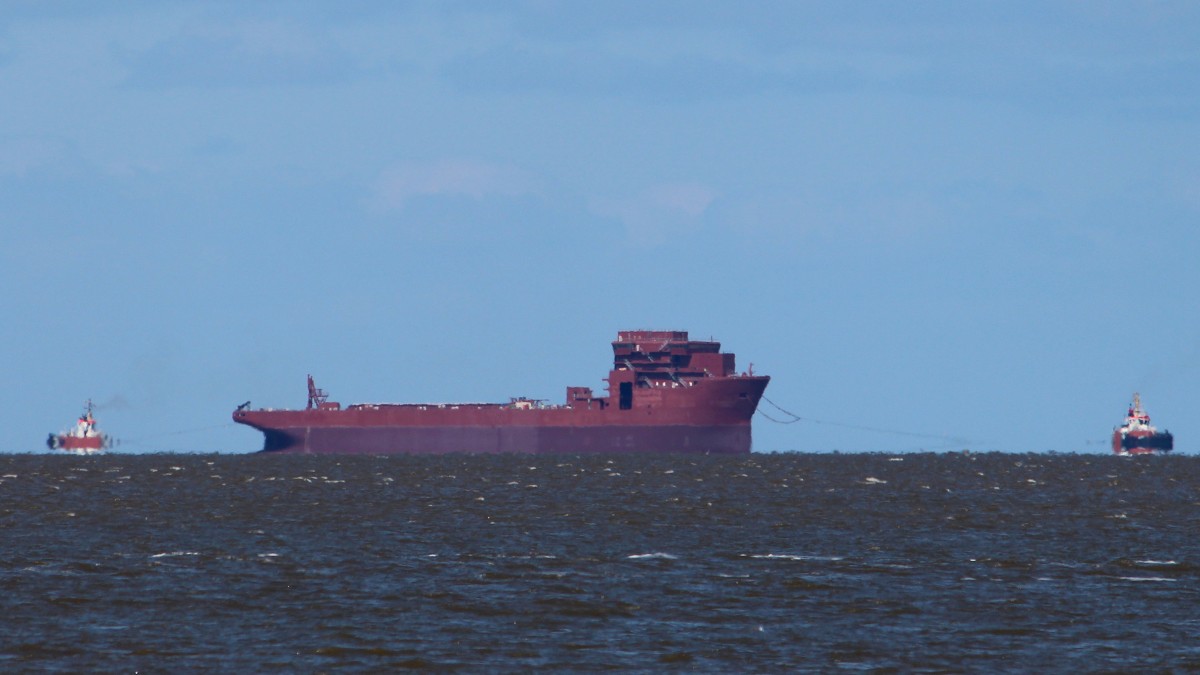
1143	444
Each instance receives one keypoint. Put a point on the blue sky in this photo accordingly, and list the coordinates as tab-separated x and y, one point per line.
976	222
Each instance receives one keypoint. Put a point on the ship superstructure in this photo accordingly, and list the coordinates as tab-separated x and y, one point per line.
1137	436
665	393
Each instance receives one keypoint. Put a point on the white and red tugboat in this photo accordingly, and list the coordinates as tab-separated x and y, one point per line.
1137	436
82	439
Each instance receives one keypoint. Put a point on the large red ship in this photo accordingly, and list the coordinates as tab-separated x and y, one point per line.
84	438
1137	436
666	393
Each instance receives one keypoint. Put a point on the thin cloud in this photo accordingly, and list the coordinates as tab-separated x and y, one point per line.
659	212
450	177
593	71
22	155
241	54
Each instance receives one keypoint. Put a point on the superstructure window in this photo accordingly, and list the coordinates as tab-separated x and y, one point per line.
626	395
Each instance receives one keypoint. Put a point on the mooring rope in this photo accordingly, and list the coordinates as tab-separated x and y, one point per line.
135	441
859	427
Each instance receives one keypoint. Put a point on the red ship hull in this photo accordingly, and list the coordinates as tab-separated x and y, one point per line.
490	440
1142	443
667	394
76	444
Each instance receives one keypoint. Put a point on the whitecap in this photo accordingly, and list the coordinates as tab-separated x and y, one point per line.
1146	579
789	556
174	554
652	556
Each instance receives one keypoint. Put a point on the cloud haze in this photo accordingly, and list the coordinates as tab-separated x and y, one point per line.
973	209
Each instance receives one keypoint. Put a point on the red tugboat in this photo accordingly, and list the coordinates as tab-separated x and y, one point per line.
1137	436
84	438
666	393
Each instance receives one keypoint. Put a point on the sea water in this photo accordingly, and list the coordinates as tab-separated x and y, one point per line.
672	563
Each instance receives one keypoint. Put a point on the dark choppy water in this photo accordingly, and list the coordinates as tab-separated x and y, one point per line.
766	563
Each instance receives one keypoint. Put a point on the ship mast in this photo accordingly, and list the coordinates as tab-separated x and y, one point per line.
315	396
1136	412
